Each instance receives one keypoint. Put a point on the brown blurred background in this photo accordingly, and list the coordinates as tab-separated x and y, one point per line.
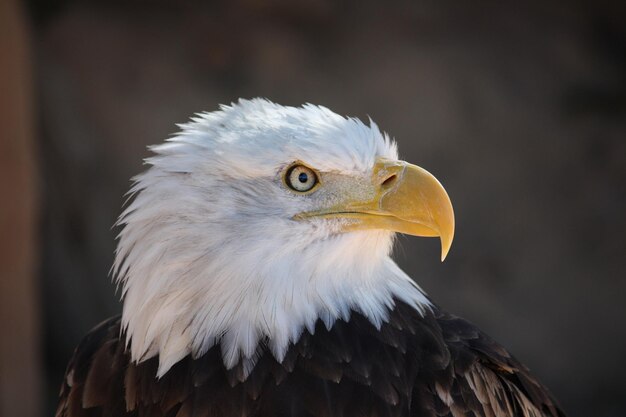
520	110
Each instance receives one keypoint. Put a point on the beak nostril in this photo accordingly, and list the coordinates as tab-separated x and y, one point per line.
389	180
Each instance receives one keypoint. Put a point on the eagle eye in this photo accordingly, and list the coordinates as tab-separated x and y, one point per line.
301	178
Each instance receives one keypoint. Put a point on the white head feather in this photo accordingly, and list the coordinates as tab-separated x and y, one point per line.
209	253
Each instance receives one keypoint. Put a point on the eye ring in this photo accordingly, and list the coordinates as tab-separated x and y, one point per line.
301	178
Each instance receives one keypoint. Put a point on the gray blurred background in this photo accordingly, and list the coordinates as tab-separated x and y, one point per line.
519	109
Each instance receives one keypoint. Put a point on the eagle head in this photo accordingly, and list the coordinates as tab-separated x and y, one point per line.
256	221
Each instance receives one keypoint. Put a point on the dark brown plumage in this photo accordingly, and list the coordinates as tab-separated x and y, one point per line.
436	365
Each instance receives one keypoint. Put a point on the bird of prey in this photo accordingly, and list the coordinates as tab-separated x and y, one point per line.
255	271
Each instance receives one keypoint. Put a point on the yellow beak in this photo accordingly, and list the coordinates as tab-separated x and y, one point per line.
406	199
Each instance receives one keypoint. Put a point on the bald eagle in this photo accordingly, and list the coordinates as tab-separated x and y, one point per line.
255	271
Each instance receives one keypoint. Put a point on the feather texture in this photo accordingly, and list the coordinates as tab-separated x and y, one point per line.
414	365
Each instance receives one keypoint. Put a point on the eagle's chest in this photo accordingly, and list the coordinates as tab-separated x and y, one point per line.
353	369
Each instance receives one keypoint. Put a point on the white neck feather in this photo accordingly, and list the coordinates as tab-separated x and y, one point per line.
178	307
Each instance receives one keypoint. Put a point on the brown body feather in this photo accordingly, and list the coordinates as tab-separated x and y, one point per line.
436	365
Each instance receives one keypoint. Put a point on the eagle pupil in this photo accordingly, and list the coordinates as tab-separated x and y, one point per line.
303	177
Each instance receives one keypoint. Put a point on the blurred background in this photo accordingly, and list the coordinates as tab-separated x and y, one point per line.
519	109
